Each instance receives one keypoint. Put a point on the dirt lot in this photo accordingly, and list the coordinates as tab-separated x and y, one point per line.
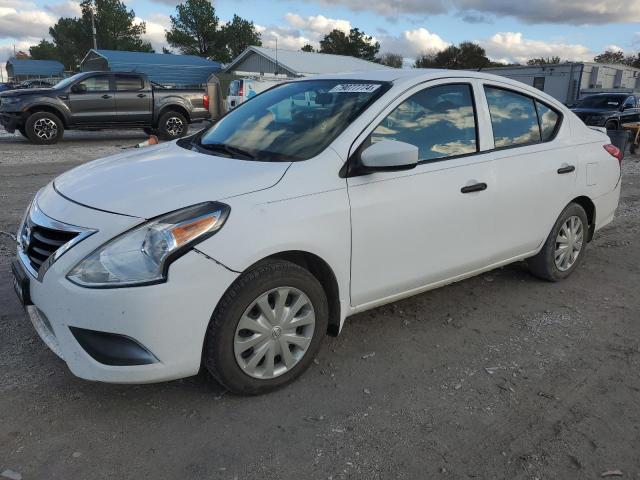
500	376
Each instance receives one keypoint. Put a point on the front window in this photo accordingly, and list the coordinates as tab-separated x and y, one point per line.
98	83
440	121
292	121
601	101
68	81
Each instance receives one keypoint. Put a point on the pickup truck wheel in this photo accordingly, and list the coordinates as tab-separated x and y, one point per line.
611	125
43	128
172	125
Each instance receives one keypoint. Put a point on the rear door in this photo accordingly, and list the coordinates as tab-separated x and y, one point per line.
97	104
134	99
535	168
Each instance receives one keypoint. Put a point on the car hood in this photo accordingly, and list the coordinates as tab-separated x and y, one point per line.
156	180
20	92
592	111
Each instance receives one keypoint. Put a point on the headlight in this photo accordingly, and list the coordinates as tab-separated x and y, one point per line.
142	255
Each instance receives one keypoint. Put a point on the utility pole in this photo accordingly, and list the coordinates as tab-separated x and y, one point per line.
276	56
93	26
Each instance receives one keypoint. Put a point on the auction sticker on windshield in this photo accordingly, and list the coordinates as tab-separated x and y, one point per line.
355	88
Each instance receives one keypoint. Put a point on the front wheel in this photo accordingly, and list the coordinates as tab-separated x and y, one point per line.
564	248
172	125
267	328
43	128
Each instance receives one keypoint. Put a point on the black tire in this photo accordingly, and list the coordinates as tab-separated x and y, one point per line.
44	128
611	125
218	355
633	149
172	125
543	265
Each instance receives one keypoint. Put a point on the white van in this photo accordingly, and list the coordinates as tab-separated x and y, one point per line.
243	89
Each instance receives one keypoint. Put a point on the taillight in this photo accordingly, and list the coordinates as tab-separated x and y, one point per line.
205	101
614	152
241	89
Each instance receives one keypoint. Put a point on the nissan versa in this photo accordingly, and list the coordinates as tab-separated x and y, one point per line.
239	248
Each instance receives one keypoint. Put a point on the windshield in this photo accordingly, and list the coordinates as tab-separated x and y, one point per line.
68	81
293	121
602	101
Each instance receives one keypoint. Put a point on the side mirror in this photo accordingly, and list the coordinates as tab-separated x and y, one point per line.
389	155
79	88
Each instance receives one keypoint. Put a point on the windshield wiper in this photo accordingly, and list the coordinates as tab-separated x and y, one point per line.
230	149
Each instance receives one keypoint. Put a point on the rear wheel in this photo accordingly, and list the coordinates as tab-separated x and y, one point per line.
172	125
267	328
43	128
611	125
564	248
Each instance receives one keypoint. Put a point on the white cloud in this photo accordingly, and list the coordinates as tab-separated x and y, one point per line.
67	8
21	24
412	43
318	24
576	12
512	46
156	25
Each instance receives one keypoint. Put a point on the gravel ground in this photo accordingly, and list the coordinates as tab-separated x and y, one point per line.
499	376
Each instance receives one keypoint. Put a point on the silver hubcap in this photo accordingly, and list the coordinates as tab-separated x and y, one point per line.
274	333
45	128
175	126
569	243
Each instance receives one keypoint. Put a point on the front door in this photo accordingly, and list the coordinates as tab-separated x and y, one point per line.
419	227
96	104
133	99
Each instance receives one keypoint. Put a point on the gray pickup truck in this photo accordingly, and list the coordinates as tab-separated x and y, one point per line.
102	100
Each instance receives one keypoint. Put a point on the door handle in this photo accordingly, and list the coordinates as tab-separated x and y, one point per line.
566	169
478	187
141	95
105	96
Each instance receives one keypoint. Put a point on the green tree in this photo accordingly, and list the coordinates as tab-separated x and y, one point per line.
115	26
394	60
355	44
544	61
115	30
466	56
196	30
239	34
308	48
610	56
45	50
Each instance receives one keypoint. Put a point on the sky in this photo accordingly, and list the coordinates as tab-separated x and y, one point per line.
509	30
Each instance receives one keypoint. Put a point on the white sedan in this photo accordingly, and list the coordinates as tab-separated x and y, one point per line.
239	248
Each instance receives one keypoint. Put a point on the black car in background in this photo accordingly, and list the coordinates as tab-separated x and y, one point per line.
102	100
609	110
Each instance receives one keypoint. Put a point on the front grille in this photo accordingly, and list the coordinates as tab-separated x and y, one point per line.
42	242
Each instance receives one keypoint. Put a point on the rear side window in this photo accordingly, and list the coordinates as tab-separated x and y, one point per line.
440	121
234	88
548	121
99	83
129	83
513	118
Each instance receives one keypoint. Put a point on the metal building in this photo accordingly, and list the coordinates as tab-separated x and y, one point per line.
262	61
166	69
27	69
568	82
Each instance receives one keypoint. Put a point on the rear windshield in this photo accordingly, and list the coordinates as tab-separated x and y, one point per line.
292	121
602	101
